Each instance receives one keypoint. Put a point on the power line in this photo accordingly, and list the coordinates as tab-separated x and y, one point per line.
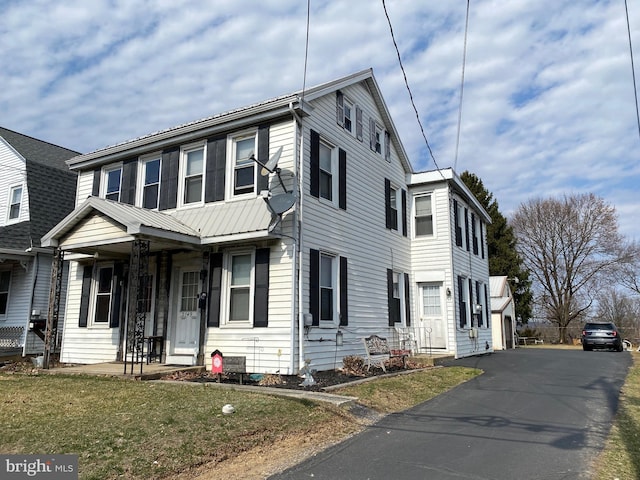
464	62
406	82
306	54
633	70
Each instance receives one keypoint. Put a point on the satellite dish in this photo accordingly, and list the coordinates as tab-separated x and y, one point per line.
270	166
281	203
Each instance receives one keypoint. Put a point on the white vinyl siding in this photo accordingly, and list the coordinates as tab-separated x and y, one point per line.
13	175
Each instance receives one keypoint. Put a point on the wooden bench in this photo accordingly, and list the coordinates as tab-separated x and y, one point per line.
378	352
11	338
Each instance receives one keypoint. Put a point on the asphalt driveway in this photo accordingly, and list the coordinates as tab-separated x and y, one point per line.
534	414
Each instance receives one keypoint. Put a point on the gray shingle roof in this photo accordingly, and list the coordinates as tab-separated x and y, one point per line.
38	151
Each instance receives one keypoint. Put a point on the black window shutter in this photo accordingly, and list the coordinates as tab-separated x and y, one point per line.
474	233
358	123
342	179
314	286
216	166
461	303
387	203
85	295
169	179
116	299
487	307
95	189
407	305
339	108
404	213
471	307
456	219
481	240
466	227
263	156
261	295
215	289
314	177
128	185
344	304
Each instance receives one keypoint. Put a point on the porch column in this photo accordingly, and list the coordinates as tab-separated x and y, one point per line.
55	287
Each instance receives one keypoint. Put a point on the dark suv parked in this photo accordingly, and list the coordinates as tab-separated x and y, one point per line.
601	335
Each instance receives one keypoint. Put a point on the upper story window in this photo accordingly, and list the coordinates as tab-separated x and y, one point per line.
5	281
112	179
192	175
348	115
150	182
393	206
423	216
244	171
15	201
378	138
326	171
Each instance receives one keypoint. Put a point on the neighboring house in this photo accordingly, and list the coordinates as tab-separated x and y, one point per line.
503	314
37	190
282	232
450	266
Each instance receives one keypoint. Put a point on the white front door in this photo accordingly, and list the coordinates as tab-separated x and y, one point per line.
433	325
186	327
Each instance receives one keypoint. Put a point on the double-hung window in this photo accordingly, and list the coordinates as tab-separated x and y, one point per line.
393	205
103	290
15	201
378	138
5	282
192	175
348	116
423	216
244	150
327	288
150	182
112	179
240	281
326	171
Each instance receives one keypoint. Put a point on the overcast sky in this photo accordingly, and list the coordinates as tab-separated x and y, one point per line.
548	106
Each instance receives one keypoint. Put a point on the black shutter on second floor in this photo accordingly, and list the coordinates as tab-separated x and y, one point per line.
314	163
466	228
263	156
261	293
344	293
128	183
314	286
342	179
85	295
215	289
404	213
95	189
169	179
387	203
216	169
456	221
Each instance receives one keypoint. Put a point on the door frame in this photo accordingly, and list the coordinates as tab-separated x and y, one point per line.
423	337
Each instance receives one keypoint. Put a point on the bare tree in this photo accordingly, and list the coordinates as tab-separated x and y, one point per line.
630	273
622	310
568	244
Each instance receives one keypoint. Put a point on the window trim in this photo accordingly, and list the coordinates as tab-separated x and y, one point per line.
142	163
3	316
226	321
104	180
335	297
12	189
334	172
182	171
232	141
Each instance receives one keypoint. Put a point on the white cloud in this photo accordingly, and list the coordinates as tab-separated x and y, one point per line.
548	102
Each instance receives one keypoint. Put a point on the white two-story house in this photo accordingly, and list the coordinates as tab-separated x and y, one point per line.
281	232
36	191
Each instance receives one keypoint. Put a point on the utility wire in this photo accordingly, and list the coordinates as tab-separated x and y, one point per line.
464	62
633	70
406	82
306	55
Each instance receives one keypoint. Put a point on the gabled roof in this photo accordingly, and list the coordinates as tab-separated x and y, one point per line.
38	151
237	118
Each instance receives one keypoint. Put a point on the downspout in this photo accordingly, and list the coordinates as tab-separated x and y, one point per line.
296	288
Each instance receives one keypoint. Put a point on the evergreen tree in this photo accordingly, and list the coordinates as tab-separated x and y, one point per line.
501	245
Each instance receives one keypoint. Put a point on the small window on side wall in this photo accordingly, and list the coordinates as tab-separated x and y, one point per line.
423	216
15	201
